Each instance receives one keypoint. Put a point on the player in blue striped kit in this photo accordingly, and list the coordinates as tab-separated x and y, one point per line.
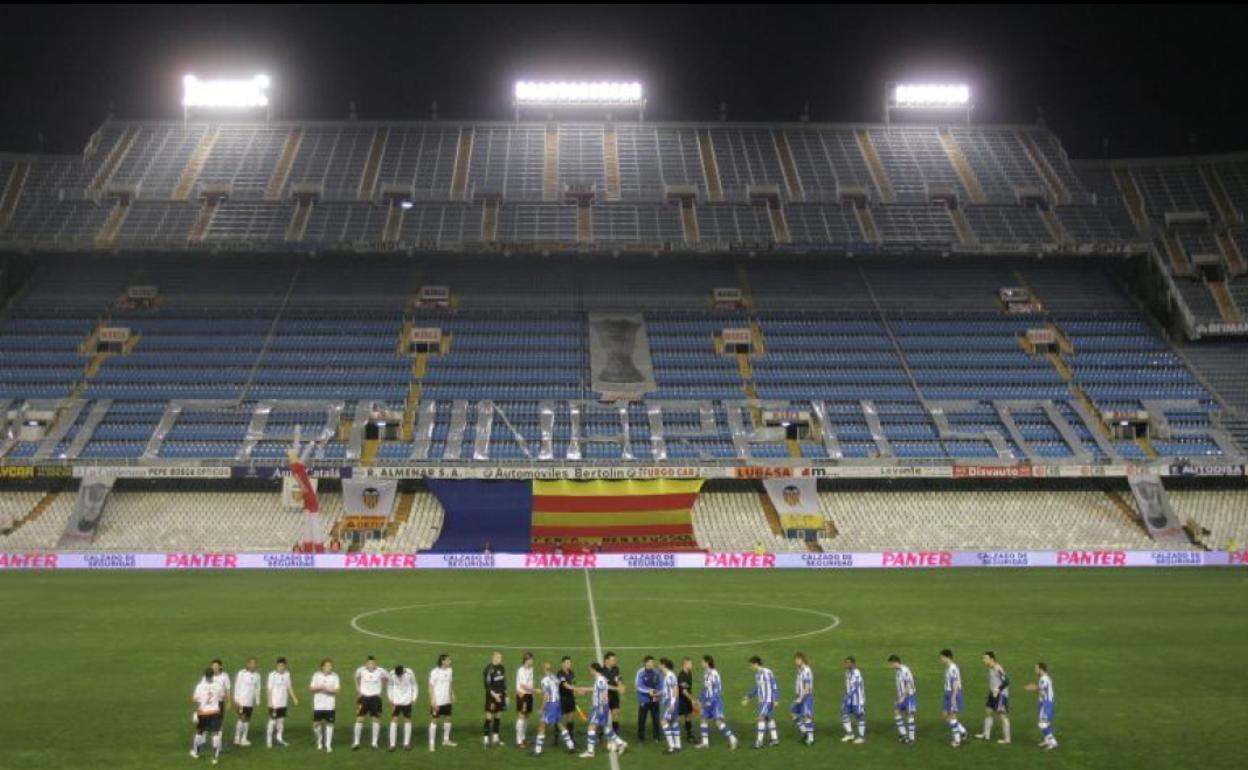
952	706
600	714
854	705
550	713
669	705
767	691
1044	717
803	709
906	704
711	699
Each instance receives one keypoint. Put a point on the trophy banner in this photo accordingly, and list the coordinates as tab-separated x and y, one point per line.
619	354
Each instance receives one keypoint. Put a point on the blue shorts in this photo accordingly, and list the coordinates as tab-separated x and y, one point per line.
998	703
1045	715
600	718
712	710
765	710
803	709
951	705
850	708
908	706
550	714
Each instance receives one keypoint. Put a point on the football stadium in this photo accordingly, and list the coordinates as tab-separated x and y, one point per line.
689	433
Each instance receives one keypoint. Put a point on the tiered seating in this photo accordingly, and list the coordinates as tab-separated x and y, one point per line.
653	157
1016	519
828	161
14	506
44	532
746	157
420	157
915	225
244	157
834	333
350	174
332	156
999	160
1170	188
734	522
914	158
508	160
160	152
581	160
421	529
637	224
1008	226
137	520
1224	513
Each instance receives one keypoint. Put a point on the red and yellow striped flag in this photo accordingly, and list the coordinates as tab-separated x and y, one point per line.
650	515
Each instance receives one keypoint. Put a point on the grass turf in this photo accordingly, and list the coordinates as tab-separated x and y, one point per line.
97	668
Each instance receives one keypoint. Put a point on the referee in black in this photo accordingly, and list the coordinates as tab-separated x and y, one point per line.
567	694
495	679
684	681
611	670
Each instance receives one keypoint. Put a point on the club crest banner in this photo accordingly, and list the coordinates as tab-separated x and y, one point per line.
368	497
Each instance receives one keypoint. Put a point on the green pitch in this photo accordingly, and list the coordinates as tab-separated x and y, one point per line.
1148	665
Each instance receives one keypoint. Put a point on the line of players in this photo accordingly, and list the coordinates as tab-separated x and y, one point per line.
665	697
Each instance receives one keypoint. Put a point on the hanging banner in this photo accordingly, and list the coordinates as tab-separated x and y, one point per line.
1154	506
614	515
619	354
369	497
796	500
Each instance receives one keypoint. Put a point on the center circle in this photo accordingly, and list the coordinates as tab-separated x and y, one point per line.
827	620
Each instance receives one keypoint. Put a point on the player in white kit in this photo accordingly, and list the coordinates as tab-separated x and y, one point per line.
246	698
441	701
325	687
524	698
280	695
369	681
401	687
207	700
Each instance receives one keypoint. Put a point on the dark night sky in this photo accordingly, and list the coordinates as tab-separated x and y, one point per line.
1149	78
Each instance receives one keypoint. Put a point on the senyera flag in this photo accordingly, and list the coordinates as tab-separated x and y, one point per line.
638	515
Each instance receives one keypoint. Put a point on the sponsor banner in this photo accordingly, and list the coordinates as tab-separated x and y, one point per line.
284	471
152	472
39	560
369	498
629	472
17	472
364	523
1197	469
1020	471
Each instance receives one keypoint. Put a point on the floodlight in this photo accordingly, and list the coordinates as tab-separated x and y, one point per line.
577	93
225	94
931	95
